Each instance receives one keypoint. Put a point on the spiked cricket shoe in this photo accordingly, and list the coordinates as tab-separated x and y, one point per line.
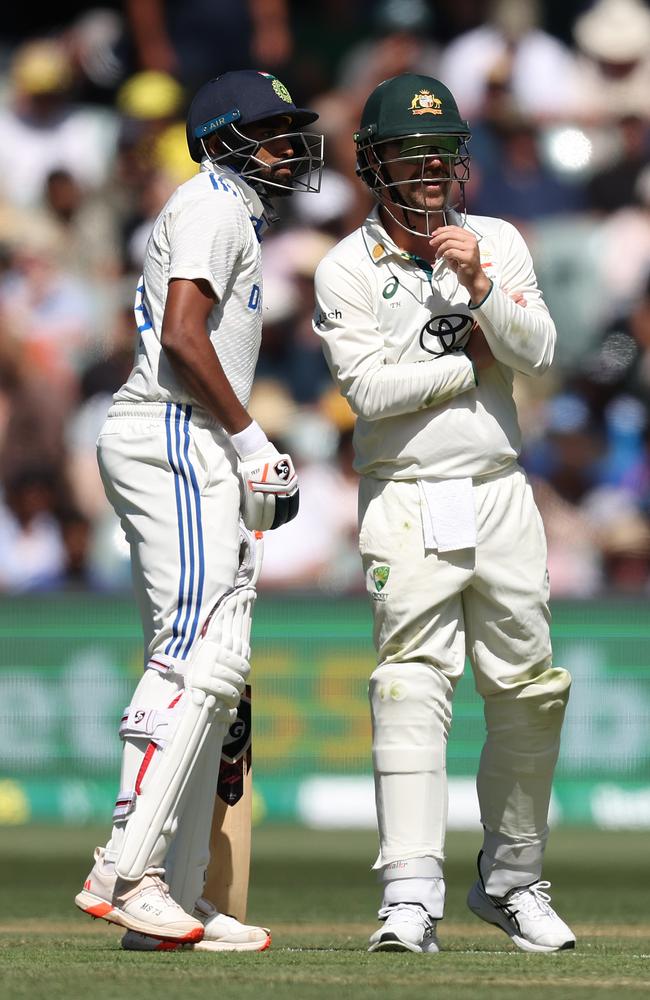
526	915
408	927
222	933
143	906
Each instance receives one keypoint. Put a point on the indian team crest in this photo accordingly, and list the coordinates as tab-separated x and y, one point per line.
282	91
377	580
278	87
426	103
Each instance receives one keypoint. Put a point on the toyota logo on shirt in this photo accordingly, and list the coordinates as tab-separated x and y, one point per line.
443	334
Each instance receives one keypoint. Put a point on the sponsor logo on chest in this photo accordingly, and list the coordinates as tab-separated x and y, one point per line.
431	323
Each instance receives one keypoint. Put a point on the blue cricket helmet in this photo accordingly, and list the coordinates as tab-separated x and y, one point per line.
238	98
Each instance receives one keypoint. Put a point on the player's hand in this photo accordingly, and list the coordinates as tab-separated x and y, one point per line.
270	485
478	349
459	247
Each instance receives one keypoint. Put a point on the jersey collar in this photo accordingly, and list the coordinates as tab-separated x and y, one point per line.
250	197
379	244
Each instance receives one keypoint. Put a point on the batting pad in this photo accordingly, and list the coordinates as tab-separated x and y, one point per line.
215	679
147	723
189	855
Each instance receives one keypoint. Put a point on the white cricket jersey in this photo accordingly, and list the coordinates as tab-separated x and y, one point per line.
209	229
393	329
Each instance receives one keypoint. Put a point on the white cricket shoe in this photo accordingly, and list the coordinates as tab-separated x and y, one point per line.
143	906
526	915
222	933
408	927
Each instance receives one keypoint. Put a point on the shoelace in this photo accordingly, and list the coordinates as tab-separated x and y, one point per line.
428	924
533	901
163	889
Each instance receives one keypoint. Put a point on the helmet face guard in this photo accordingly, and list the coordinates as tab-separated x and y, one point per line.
411	134
406	200
241	153
224	108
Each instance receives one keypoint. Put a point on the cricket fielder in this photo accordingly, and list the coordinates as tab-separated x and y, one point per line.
182	462
425	313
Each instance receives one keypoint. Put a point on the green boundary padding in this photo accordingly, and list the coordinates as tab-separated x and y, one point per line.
70	663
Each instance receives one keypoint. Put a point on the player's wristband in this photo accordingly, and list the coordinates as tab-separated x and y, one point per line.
251	439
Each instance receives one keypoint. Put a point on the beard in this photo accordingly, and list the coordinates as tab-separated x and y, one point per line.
419	193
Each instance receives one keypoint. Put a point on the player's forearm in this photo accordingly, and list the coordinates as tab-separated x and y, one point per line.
522	339
196	364
392	390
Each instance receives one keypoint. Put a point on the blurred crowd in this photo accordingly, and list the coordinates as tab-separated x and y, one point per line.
92	108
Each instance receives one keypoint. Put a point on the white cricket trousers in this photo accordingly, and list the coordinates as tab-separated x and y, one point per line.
430	611
175	489
171	478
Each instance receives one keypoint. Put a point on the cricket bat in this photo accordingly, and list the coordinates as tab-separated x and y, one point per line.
228	873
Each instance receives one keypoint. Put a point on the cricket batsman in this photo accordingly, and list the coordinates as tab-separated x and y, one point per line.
425	315
192	478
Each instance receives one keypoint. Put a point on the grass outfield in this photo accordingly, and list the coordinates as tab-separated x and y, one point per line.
317	894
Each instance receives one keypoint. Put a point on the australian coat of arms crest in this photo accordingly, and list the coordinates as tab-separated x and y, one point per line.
426	103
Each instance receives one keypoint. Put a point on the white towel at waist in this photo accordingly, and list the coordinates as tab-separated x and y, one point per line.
448	516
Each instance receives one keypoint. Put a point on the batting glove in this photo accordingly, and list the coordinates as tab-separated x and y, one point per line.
270	483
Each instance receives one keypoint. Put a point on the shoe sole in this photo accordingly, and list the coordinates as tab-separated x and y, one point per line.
198	946
99	909
232	946
486	912
391	942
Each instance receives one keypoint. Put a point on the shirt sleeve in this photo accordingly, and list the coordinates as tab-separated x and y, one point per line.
206	238
353	345
521	338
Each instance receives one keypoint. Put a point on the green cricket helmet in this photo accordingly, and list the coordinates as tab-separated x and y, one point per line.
412	119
